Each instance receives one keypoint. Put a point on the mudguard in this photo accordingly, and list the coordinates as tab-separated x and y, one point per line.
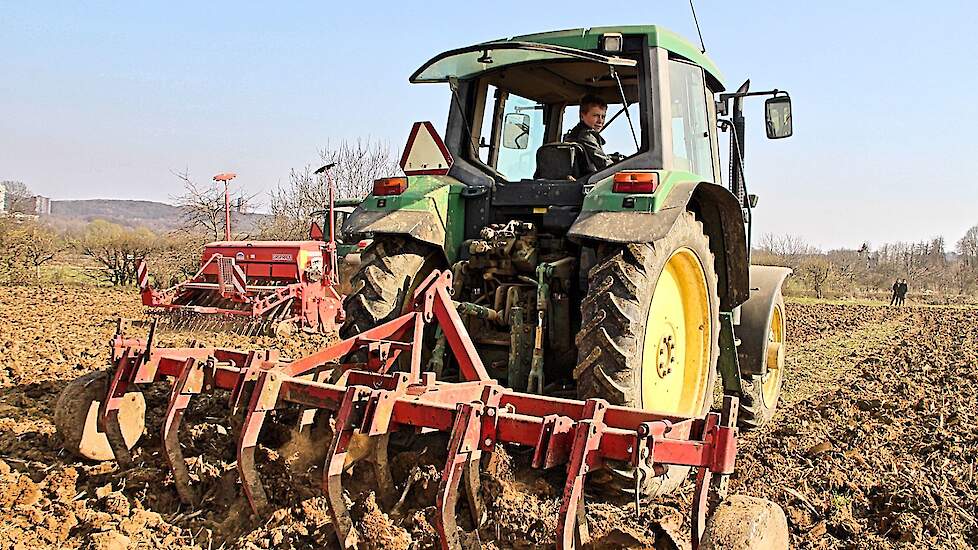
755	316
653	216
424	226
422	211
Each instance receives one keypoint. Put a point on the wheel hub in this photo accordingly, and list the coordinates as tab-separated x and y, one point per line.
667	357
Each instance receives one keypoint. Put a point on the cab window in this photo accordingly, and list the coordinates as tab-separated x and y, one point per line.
527	115
523	108
691	146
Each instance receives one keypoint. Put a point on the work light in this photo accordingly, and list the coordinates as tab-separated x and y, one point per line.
611	42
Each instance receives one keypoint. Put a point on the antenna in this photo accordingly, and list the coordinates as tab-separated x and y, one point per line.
696	21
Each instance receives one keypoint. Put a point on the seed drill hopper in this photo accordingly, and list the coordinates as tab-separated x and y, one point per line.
369	401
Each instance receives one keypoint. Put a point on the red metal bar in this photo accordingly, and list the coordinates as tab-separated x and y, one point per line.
439	302
341	349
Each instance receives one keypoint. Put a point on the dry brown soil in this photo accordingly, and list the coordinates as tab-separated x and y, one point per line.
874	447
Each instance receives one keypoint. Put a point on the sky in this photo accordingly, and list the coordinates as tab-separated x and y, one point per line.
109	99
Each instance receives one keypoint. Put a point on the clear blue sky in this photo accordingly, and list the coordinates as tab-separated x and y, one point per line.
105	99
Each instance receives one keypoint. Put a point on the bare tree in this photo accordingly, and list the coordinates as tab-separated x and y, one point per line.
967	247
786	245
20	198
116	249
357	165
203	206
175	258
815	270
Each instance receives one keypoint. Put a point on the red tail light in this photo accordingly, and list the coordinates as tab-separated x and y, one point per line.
635	182
390	186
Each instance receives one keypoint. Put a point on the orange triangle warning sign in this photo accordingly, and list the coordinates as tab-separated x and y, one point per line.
425	152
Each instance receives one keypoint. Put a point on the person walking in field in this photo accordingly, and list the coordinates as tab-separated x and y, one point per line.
902	293
896	292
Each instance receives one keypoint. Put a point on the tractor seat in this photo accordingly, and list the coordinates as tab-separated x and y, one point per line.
560	161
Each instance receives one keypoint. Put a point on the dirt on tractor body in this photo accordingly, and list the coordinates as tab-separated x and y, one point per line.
874	448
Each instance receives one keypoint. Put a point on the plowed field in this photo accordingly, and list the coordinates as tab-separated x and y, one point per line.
874	446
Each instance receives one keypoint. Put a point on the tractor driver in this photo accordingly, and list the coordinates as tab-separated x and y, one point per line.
587	133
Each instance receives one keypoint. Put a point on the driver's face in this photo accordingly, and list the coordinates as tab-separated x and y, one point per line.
594	117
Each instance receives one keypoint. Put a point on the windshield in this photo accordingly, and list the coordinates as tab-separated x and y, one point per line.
524	112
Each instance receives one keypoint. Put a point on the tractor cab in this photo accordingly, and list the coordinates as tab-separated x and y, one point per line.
514	101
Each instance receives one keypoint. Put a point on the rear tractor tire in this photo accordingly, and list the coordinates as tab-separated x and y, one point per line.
391	268
76	417
650	336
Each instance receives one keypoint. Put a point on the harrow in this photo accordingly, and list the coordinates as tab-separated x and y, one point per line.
369	401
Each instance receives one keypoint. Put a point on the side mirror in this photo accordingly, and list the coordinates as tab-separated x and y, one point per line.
777	117
516	131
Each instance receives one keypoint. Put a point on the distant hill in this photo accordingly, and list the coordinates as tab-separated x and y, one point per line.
156	216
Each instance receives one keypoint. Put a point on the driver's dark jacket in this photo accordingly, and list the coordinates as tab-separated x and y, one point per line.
592	142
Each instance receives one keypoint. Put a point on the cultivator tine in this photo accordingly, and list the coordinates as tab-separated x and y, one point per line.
113	432
711	488
263	399
463	458
109	412
572	529
186	386
353	403
382	470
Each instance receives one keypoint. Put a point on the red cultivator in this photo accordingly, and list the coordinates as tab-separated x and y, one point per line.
370	401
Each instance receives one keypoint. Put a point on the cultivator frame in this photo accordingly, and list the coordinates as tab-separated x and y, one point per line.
372	400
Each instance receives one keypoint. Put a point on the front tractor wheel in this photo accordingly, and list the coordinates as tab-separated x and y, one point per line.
761	392
650	336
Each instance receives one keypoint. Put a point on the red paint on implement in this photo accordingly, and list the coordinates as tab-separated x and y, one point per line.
478	413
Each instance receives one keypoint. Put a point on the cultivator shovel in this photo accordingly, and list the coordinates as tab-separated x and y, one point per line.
369	401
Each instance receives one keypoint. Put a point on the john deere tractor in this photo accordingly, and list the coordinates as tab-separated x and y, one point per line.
631	283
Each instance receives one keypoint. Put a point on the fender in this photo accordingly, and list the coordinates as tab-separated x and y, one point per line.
421	212
605	220
755	316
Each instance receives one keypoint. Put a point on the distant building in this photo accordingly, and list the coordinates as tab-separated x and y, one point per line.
35	205
41	206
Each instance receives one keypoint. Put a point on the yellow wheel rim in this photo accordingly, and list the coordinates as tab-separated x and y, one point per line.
771	382
676	350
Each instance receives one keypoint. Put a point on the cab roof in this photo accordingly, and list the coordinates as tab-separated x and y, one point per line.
587	39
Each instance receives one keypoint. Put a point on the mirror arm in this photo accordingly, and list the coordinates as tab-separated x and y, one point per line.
774	93
725	98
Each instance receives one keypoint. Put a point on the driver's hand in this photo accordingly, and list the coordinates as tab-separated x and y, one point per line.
617	157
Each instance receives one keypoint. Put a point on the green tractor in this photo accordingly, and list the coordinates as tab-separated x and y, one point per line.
631	283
